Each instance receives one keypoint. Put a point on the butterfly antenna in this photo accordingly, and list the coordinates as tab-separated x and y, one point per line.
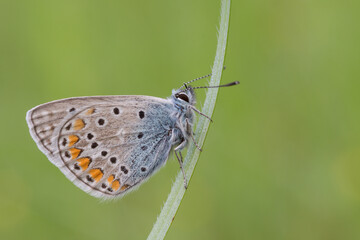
208	75
224	85
185	84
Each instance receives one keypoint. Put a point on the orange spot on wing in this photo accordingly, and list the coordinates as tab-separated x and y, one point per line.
96	174
84	163
90	111
115	185
79	124
110	179
124	187
73	139
74	152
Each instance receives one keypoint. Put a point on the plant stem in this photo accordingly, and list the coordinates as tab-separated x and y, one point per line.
173	201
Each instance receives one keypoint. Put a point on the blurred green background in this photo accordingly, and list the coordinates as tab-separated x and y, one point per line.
281	160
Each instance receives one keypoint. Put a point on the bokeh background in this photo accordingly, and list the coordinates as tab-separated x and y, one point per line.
281	160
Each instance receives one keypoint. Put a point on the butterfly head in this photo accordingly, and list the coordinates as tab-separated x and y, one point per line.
184	96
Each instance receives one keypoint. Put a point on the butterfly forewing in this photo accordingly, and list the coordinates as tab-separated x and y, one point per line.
105	145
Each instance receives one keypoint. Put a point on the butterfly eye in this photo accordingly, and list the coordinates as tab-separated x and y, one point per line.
182	96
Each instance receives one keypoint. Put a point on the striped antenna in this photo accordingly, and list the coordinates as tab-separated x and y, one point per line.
208	75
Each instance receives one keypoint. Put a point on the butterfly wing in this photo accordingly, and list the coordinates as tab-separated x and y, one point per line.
106	145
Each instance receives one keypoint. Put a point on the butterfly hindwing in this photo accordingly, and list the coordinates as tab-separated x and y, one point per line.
105	145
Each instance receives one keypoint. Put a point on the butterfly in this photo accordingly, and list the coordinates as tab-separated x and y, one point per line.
109	145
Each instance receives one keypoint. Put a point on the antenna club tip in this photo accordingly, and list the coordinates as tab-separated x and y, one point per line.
233	83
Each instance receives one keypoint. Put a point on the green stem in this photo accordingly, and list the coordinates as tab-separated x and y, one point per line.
173	201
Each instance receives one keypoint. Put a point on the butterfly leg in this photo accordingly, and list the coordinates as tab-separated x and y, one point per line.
179	157
197	146
202	114
191	133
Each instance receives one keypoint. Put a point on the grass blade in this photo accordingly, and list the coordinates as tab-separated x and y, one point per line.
173	201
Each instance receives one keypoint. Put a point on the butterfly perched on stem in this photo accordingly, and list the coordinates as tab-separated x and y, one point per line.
109	145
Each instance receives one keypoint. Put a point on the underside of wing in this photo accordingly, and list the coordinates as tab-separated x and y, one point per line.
105	145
